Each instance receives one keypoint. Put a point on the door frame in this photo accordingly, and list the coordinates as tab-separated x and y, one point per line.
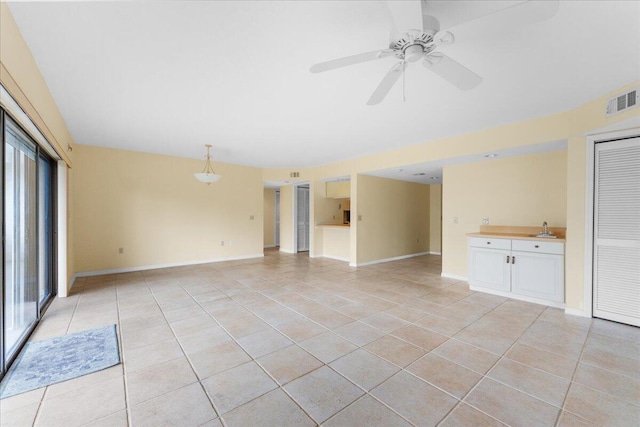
592	140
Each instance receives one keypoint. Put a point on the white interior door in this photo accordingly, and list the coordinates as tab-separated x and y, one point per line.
616	272
302	218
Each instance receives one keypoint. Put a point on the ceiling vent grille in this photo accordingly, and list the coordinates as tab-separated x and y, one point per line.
623	102
294	174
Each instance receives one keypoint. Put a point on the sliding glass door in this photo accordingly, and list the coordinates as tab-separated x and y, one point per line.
20	203
28	246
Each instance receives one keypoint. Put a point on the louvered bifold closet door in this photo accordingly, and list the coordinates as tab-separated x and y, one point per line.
302	219
616	274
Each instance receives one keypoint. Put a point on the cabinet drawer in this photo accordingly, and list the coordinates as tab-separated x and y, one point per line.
538	246
490	243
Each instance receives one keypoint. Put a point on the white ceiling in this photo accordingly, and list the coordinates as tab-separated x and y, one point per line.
169	77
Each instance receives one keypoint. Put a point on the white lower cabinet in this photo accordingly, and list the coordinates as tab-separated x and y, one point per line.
488	268
531	270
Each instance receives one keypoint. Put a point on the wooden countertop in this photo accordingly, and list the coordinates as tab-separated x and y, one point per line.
516	236
519	233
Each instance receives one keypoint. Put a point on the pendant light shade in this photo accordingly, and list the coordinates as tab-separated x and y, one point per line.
207	175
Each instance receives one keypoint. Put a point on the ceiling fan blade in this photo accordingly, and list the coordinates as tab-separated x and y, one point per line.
386	84
350	60
452	71
511	12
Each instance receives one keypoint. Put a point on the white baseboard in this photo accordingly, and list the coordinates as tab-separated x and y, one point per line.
156	266
518	297
286	251
269	246
396	258
453	276
574	312
337	258
434	253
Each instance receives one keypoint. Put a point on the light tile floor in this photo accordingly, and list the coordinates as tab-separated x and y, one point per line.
292	341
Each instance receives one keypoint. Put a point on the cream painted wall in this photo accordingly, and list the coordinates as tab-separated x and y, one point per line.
435	218
395	218
525	190
286	218
153	207
575	245
336	242
269	218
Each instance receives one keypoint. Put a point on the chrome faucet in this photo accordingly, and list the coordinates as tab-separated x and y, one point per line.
545	229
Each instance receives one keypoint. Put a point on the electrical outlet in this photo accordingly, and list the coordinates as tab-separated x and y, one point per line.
251	217
455	219
359	217
120	250
334	217
485	221
222	243
230	242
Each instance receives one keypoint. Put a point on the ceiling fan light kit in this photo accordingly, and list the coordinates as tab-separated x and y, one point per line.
409	47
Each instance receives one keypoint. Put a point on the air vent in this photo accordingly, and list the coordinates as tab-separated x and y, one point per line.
623	102
294	174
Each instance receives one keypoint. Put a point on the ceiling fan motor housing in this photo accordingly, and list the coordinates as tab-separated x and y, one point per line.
413	45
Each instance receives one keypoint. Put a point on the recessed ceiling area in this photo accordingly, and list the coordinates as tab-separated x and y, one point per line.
431	172
169	77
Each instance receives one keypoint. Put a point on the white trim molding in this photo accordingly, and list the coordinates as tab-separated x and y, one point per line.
269	246
61	194
592	140
379	261
453	276
517	297
574	312
337	258
434	253
156	266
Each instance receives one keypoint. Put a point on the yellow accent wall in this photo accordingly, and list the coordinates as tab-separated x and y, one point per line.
525	190
395	218
151	206
269	218
435	218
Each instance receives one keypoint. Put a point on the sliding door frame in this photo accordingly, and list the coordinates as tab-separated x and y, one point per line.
52	245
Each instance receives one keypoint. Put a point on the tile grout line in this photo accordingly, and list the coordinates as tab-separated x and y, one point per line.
461	400
122	358
575	370
44	394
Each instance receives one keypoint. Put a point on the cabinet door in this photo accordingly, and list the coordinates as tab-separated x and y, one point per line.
489	268
538	275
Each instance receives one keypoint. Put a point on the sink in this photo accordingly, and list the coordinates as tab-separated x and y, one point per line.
545	235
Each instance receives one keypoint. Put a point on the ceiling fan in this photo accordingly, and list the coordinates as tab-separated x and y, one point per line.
423	44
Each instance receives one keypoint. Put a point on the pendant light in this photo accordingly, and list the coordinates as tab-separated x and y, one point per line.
207	175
